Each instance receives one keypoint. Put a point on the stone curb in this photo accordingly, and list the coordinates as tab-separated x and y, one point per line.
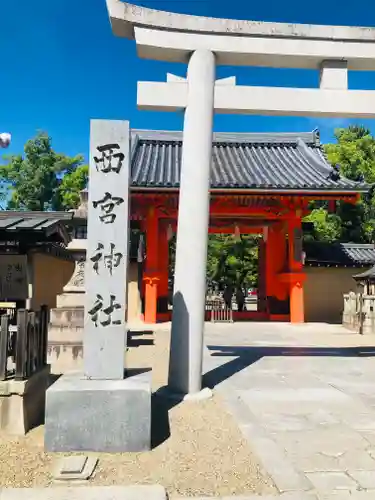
85	493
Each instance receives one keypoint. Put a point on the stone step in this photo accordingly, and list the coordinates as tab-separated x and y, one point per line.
85	493
70	300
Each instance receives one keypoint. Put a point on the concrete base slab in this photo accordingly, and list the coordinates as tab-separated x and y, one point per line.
90	493
98	415
75	468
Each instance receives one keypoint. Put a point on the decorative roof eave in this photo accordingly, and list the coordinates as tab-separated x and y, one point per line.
288	138
333	265
28	214
323	263
267	191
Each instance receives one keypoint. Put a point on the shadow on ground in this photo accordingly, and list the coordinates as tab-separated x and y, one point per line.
245	356
161	404
160	408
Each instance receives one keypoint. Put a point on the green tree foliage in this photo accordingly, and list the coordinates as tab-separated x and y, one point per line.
232	260
327	227
42	179
354	153
70	186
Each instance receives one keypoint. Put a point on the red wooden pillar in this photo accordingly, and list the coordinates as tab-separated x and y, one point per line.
277	291
262	293
279	261
269	256
151	275
163	257
296	274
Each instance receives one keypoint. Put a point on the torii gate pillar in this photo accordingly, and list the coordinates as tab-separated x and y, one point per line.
185	367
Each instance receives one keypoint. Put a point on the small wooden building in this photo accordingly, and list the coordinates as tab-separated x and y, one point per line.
34	263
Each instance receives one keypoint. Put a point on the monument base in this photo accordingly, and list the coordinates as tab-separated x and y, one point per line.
98	415
22	402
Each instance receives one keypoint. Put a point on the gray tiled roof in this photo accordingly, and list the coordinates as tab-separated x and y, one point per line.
283	162
43	228
339	254
362	254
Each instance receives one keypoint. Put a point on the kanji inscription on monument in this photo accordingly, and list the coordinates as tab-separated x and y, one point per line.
107	250
110	260
111	159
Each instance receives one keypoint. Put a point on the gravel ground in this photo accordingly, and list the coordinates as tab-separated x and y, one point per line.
198	449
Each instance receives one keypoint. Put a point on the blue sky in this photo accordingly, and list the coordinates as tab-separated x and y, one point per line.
61	65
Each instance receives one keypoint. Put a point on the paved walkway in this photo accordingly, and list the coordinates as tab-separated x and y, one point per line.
304	397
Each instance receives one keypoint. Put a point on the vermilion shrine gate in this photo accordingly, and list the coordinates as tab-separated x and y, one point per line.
260	184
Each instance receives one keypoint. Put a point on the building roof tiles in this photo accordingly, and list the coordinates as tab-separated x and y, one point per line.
247	162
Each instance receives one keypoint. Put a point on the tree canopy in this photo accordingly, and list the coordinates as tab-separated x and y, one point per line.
42	179
232	260
354	154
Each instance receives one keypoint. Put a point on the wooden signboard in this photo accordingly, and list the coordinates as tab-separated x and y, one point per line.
13	277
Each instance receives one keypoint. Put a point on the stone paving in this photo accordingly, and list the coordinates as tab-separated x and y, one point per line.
304	397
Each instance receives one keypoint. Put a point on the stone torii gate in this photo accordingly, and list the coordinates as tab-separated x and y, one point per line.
203	43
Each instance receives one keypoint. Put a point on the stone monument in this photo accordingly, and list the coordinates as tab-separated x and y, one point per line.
99	410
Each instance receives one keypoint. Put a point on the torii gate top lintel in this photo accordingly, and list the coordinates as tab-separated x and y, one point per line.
303	45
130	15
